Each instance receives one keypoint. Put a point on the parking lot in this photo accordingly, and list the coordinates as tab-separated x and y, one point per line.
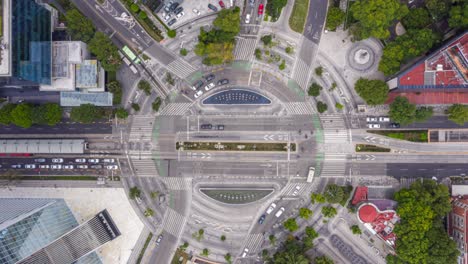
177	12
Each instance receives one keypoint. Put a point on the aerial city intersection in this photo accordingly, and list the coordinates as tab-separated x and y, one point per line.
280	131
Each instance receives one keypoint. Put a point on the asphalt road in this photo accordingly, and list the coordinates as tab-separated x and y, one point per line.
64	127
315	20
30	95
409	170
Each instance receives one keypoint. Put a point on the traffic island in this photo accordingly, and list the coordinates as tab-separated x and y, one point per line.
236	196
408	135
370	148
231	146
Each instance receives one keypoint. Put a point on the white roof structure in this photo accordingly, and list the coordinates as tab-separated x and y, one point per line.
36	146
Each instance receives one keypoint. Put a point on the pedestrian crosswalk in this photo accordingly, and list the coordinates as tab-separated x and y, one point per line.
178	183
301	73
175	109
144	168
299	108
334	129
289	189
173	222
253	242
142	128
181	68
245	48
333	170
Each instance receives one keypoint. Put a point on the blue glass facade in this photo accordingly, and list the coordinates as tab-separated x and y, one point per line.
31	41
37	229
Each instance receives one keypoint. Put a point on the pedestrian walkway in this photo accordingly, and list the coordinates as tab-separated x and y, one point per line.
175	109
178	183
299	108
334	128
245	48
181	68
142	128
301	73
333	169
144	168
253	242
174	223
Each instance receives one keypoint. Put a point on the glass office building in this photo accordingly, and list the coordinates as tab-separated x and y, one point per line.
27	225
31	41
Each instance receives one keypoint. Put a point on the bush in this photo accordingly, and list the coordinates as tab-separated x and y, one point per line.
156	104
143	15
289	50
356	230
135	8
321	106
314	89
319	71
136	107
171	33
183	52
223	238
329	211
267	40
339	106
145	86
258	54
282	66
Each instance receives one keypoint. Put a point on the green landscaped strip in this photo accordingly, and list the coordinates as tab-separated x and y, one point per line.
146	23
370	148
142	252
236	196
408	135
231	146
299	15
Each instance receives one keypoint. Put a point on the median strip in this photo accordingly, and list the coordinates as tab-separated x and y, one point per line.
231	146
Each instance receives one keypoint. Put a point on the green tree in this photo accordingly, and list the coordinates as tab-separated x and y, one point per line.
134	192
223	238
308	242
305	213
21	115
333	193
228	20
314	89
205	252
258	54
86	113
156	104
329	211
149	212
374	92
272	239
459	16
458	113
105	51
417	18
291	225
169	79
292	253
116	90
121	113
78	26
323	260
335	17
154	195
317	198
228	258
184	246
289	50
274	7
5	114
437	8
282	66
267	40
136	107
423	113
321	106
402	111
375	16
142	15
339	106
52	113
183	52
171	33
319	71
145	87
310	232
135	8
355	229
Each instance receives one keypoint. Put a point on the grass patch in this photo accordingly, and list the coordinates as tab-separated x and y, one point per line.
142	252
408	135
370	148
179	254
299	15
54	178
231	146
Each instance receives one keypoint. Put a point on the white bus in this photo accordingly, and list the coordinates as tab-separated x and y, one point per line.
310	176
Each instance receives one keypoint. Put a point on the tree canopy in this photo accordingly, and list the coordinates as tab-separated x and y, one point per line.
314	89
374	92
21	115
333	193
305	213
417	18
106	52
323	260
273	8
86	113
5	114
335	17
437	8
458	17
116	90
420	232
79	26
405	113
291	253
375	16
458	113
291	225
329	211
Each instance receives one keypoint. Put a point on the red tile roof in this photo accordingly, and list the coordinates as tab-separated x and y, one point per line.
432	96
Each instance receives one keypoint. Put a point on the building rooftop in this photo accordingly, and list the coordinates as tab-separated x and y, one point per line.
87	74
380	222
79	98
5	40
71	146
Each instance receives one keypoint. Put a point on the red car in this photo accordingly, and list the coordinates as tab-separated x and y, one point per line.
221	4
260	9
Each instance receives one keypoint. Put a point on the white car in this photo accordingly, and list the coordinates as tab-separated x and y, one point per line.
371	119
57	160
271	208
167	17
80	160
181	14
209	86
109	160
198	94
93	160
29	166
196	11
112	167
158	241
373	125
384	119
56	167
247	19
246	251
68	167
82	166
296	190
280	212
44	166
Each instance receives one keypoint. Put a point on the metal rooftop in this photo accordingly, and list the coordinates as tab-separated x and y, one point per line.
78	98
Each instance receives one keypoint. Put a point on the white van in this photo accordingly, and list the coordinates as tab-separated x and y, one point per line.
310	176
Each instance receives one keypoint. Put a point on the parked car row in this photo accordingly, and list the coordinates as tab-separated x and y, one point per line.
373	122
209	84
271	208
57	164
210	126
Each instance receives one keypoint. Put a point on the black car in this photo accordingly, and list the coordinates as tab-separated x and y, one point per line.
209	77
223	82
212	7
178	10
394	125
197	85
172	22
173	7
206	126
261	219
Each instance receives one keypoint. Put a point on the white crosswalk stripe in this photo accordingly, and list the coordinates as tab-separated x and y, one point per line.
175	109
334	129
291	187
142	128
144	168
178	183
245	48
333	170
181	68
301	73
174	223
299	108
253	242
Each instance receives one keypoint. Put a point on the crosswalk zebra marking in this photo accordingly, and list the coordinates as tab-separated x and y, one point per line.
299	108
178	183
144	168
245	48
175	109
253	242
174	223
